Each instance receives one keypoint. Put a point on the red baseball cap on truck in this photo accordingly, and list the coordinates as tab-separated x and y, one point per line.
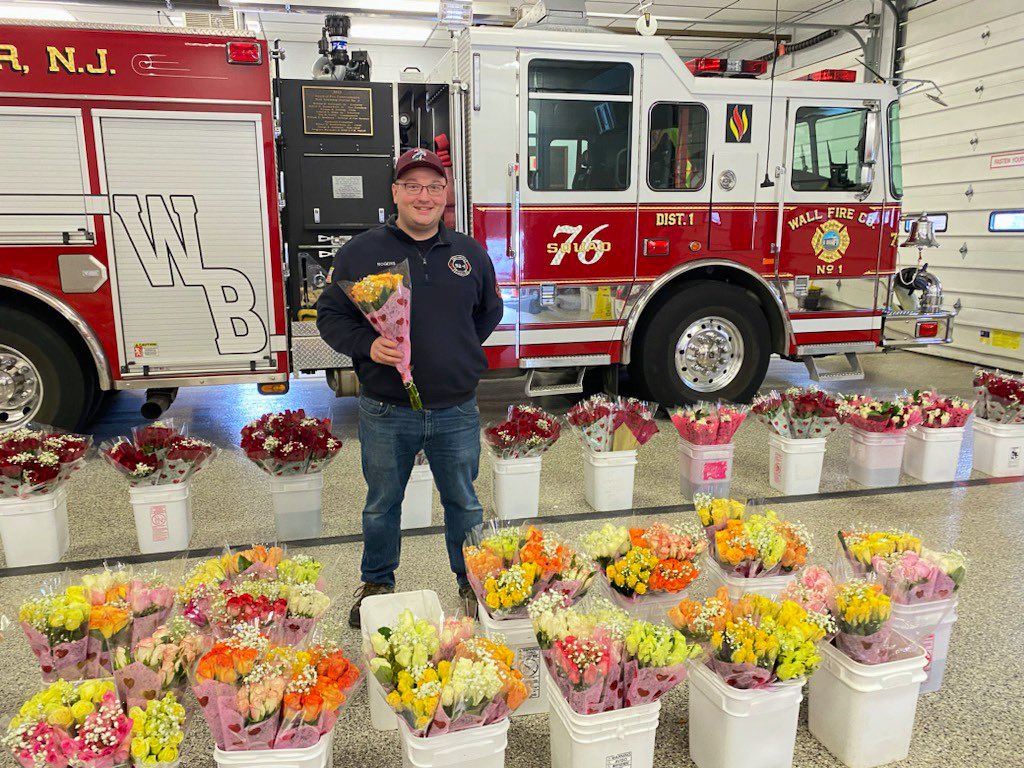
418	158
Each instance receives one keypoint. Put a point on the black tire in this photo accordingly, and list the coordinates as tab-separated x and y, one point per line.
655	365
69	387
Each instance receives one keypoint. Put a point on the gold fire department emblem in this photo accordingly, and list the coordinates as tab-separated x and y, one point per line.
830	241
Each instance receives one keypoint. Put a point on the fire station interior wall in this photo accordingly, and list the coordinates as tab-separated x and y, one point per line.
967	161
386	61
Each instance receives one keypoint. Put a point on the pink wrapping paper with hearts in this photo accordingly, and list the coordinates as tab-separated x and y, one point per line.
866	649
64	661
742	676
645	685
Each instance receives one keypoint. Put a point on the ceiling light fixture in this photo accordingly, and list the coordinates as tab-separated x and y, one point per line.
34	12
370	29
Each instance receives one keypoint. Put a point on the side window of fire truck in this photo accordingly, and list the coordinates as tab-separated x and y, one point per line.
828	148
579	129
895	151
677	146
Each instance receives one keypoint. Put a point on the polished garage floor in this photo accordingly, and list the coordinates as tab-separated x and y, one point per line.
969	723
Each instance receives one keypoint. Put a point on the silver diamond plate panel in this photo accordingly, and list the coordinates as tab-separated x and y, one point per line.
311	353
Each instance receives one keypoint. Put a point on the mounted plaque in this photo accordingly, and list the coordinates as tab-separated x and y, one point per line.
332	110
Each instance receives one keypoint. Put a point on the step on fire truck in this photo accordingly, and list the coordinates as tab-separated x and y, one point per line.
638	212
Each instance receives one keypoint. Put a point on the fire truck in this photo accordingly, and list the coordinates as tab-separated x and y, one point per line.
640	211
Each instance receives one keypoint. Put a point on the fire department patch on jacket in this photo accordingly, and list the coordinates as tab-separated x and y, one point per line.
460	265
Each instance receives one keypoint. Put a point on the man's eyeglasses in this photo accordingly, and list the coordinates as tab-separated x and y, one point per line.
435	190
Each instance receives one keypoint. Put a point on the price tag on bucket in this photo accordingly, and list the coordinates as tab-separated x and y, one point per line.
715	470
621	760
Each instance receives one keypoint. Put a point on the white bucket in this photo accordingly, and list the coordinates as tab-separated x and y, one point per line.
932	454
379	611
930	626
35	529
418	503
652	606
623	738
608	479
519	636
794	465
705	469
876	457
317	756
297	506
163	516
482	747
730	727
516	487
769	586
998	448
864	713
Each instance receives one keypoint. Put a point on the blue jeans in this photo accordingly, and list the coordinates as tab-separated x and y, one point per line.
390	437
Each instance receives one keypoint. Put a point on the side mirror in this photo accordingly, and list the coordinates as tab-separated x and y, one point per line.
872	141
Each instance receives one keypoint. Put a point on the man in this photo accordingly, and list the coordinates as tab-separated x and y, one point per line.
455	306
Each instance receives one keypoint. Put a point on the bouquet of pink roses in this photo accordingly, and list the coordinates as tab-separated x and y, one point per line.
940	412
68	724
158	454
709	423
909	578
38	460
613	424
290	443
158	664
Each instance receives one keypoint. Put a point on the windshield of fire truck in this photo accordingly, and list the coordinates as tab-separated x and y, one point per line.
895	152
828	148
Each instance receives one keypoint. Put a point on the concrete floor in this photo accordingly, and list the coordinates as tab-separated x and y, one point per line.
968	723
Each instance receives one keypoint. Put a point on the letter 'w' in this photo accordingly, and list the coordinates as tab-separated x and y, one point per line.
229	294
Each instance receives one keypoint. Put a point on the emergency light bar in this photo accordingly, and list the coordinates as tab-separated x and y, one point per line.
245	53
832	76
741	67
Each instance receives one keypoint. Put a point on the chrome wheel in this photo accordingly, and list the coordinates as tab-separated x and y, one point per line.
709	354
21	389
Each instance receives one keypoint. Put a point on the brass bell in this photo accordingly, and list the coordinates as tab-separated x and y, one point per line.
922	233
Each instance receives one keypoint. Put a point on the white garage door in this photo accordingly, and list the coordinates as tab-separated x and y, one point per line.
966	161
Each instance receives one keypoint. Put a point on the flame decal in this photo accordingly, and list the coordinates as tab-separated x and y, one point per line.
739	123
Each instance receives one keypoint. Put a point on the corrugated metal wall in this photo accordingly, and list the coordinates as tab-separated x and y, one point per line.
967	160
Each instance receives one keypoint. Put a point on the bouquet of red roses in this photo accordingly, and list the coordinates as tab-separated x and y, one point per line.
290	443
940	412
527	432
1000	397
619	424
709	423
38	460
799	413
871	415
158	454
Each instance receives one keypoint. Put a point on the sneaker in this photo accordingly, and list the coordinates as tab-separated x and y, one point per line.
467	600
364	591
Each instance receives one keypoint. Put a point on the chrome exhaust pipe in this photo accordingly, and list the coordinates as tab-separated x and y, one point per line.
158	401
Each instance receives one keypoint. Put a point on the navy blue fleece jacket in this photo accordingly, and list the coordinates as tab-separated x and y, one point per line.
455	306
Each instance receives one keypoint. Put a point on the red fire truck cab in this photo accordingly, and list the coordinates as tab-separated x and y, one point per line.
637	214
